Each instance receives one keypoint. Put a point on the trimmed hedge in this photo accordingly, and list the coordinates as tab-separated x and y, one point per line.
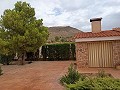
6	59
64	51
50	52
0	71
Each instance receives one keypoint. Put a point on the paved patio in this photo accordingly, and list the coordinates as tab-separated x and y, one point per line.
41	75
114	72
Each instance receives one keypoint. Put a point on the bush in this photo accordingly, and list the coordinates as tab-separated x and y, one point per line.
105	83
80	85
0	71
6	59
75	81
71	77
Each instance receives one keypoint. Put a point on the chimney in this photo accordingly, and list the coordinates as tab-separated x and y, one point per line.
96	24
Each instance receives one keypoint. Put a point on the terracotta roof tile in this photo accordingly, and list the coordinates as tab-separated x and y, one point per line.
106	33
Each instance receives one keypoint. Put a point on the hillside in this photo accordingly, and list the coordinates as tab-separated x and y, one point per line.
61	32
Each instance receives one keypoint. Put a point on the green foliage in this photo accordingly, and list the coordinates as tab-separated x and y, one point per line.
0	71
71	77
75	81
6	59
4	47
80	85
57	38
26	33
63	39
64	51
5	52
105	83
20	31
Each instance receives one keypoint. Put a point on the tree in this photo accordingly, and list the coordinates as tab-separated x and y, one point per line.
57	39
63	39
23	32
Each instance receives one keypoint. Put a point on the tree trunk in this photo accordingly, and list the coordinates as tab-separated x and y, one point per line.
21	59
7	61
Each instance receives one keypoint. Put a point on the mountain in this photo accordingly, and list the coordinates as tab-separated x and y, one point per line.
64	32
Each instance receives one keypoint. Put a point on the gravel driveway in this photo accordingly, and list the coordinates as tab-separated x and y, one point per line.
39	75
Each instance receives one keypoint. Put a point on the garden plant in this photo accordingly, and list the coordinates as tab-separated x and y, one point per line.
74	80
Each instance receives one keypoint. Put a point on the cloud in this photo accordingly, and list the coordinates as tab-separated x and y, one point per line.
75	13
57	11
111	21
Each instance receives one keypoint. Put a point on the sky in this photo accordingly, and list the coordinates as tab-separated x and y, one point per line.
74	13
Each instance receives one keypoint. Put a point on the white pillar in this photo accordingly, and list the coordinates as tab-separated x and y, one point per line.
16	56
40	49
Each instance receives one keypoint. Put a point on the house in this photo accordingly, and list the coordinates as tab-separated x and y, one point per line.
98	48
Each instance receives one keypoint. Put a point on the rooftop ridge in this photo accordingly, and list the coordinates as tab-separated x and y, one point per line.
117	28
106	33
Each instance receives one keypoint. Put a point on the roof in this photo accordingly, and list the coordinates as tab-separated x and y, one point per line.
107	33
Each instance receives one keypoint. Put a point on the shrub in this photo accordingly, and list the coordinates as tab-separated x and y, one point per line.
0	71
6	59
80	85
71	77
105	83
101	82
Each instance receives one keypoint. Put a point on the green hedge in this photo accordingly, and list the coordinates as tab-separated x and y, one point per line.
6	59
0	71
64	51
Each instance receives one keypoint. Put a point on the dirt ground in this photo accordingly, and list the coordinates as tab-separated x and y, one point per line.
41	75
